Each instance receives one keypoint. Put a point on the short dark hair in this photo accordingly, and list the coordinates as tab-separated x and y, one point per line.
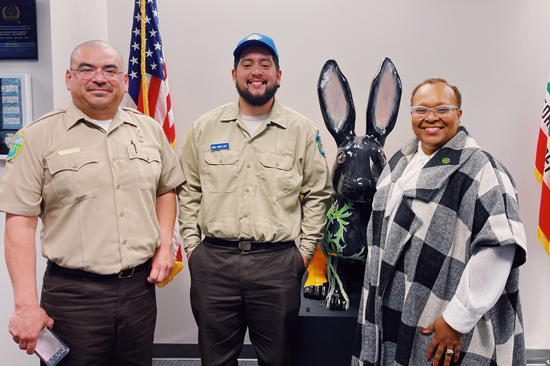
458	96
275	61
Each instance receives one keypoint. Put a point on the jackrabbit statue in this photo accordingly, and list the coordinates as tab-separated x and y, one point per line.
359	162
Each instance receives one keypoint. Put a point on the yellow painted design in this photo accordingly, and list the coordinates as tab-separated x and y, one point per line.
178	266
317	269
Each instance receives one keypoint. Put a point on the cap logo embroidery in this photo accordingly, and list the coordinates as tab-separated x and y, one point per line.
446	161
254	37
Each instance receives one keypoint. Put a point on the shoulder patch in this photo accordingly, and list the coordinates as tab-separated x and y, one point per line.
320	145
17	146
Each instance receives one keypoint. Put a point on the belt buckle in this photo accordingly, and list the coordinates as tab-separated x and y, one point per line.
130	275
245	245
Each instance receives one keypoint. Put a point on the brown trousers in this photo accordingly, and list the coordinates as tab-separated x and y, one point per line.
233	289
103	321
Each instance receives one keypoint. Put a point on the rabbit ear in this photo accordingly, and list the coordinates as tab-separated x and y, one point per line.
336	102
384	99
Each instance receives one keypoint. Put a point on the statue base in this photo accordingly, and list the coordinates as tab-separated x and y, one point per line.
327	337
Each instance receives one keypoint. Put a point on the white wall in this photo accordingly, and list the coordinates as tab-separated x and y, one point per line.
497	54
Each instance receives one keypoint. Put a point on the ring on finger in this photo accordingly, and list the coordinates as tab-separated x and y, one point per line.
449	351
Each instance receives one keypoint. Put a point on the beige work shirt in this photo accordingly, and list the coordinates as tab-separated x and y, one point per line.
250	189
95	191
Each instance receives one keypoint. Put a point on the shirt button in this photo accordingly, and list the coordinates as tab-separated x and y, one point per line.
246	190
245	216
113	159
118	186
276	164
122	214
220	161
124	241
75	166
249	142
248	165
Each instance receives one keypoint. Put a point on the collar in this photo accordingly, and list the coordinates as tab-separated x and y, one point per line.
277	115
444	162
75	115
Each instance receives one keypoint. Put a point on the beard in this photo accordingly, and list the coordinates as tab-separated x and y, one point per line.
257	100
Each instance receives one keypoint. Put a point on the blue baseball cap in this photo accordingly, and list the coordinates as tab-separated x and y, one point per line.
256	39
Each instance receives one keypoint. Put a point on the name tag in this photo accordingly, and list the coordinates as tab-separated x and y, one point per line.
223	146
71	151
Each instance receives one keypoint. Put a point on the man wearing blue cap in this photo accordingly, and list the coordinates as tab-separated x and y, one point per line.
257	179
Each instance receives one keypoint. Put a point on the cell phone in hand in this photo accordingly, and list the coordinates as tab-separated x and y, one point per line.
50	348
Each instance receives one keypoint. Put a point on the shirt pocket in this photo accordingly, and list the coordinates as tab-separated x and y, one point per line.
147	166
221	170
275	173
75	176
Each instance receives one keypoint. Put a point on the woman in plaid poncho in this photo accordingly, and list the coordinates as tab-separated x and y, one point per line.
445	242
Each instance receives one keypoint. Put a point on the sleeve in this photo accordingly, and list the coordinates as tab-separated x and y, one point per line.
171	174
23	179
498	244
316	191
190	194
496	219
480	286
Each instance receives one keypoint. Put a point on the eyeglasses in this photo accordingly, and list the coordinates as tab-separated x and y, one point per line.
441	111
87	73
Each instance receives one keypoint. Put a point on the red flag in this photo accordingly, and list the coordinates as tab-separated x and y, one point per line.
542	172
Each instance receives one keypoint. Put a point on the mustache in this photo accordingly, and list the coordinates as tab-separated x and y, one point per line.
261	79
105	86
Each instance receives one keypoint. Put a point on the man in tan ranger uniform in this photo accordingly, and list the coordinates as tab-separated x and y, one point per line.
101	178
247	165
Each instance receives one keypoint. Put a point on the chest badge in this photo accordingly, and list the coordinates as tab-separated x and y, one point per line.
139	135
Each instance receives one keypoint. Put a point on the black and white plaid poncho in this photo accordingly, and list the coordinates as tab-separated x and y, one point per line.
462	198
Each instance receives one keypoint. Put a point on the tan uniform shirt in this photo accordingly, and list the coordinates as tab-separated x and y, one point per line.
95	191
250	189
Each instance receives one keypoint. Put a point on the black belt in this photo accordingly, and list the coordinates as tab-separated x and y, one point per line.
127	273
247	244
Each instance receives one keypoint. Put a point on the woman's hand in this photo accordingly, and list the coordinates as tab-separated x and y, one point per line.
445	338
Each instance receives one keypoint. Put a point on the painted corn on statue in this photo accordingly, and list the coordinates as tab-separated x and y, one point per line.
359	162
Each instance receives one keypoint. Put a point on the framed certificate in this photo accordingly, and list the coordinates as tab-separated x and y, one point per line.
15	108
18	31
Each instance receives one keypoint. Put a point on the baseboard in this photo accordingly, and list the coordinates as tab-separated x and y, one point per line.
180	350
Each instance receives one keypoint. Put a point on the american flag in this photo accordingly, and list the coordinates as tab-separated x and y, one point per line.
542	172
147	63
148	87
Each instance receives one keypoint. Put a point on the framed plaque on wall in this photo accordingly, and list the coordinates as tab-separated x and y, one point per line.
18	32
15	108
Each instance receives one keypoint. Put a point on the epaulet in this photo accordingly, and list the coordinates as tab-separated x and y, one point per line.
131	110
48	115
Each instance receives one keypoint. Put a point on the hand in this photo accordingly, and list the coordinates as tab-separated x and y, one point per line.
25	325
445	338
162	264
306	261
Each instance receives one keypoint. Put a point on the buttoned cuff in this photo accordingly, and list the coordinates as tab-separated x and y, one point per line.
307	248
189	247
459	317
